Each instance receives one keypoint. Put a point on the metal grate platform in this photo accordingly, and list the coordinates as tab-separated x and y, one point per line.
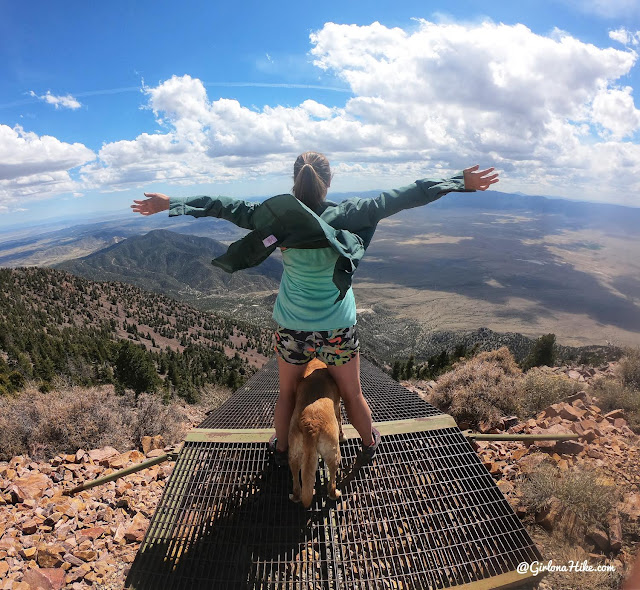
426	514
252	405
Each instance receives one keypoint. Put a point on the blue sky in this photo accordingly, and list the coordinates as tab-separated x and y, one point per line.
101	102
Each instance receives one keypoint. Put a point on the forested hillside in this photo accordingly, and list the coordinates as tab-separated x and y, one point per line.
174	264
55	324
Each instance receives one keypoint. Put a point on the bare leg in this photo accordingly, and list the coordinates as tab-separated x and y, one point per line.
290	376
347	377
295	464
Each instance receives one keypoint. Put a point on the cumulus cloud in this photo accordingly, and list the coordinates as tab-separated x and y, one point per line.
543	108
33	166
625	37
549	111
65	102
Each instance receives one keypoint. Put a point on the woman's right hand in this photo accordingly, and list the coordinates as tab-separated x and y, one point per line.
154	203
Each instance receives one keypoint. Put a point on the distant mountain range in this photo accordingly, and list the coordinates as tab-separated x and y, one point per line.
510	263
173	264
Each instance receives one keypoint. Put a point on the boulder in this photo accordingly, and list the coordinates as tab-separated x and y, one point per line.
149	443
98	455
599	537
549	516
136	531
45	579
568	412
29	487
569	447
50	556
611	416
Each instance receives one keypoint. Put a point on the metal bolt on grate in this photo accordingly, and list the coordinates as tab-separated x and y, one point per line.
425	514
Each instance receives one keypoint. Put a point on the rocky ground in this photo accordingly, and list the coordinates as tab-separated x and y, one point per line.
607	447
50	541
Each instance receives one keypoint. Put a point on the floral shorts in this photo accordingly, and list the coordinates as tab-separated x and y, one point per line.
332	347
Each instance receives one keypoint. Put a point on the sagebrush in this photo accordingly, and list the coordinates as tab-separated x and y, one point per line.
66	419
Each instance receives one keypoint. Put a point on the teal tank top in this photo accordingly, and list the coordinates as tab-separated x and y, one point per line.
307	292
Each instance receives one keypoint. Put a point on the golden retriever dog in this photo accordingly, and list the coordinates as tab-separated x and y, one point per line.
316	428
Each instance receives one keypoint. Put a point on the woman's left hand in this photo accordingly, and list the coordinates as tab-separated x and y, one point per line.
475	180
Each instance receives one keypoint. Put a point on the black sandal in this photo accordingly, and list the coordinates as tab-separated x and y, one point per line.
280	458
367	453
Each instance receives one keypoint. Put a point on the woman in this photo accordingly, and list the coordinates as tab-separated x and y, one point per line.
321	243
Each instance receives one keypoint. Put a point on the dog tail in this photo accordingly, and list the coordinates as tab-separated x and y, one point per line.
309	468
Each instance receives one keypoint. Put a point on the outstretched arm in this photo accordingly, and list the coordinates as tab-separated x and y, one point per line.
357	214
236	211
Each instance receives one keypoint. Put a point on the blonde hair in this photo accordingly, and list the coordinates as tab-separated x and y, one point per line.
311	178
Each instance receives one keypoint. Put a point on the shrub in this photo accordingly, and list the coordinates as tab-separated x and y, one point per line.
540	387
64	420
612	394
629	368
480	389
584	492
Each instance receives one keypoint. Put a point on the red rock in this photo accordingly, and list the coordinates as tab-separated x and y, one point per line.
29	527
138	528
77	574
619	422
549	516
551	411
595	454
615	533
50	556
98	455
589	435
45	578
30	487
611	416
86	555
92	533
572	413
581	396
149	443
569	447
4	568
599	537
155	453
28	553
72	559
519	453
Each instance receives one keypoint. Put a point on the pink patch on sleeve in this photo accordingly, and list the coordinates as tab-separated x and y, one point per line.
269	241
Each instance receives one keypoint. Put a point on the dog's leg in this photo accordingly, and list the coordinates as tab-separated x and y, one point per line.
330	451
309	468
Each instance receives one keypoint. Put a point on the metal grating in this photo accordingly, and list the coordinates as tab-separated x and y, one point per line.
426	514
252	405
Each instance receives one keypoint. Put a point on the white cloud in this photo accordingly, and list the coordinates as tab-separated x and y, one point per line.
625	37
36	167
67	102
615	111
549	111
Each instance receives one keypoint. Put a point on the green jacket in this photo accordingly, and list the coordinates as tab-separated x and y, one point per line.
284	221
